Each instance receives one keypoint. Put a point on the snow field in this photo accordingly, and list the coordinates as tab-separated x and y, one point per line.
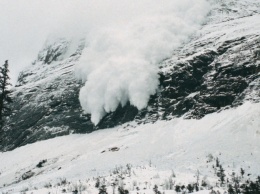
180	145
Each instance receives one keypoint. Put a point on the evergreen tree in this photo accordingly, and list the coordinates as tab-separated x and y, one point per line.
221	175
190	188
156	190
236	181
242	171
103	189
178	188
217	162
230	189
5	98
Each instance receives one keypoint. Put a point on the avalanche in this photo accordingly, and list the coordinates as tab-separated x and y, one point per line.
121	59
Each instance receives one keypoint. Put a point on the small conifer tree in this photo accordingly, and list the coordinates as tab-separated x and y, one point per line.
221	174
217	162
5	98
242	171
103	189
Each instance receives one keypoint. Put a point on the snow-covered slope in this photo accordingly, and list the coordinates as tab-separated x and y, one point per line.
183	146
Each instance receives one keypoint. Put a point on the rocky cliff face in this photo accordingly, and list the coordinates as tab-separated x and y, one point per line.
46	97
219	67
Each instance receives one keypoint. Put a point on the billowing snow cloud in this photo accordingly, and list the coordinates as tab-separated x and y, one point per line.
120	61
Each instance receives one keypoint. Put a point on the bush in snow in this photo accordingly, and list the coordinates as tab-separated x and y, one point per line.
103	190
40	164
156	190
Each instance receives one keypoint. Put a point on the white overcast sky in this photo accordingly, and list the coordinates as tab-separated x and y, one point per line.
26	24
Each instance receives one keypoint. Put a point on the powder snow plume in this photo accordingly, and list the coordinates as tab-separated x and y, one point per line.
123	50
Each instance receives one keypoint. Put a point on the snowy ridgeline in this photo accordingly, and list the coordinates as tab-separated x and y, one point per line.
153	152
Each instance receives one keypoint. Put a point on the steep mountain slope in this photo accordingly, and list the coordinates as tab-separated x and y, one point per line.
218	68
46	97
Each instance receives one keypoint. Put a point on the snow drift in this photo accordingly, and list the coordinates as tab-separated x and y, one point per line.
125	46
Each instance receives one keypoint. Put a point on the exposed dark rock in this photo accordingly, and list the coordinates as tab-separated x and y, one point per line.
27	175
114	149
53	52
120	116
